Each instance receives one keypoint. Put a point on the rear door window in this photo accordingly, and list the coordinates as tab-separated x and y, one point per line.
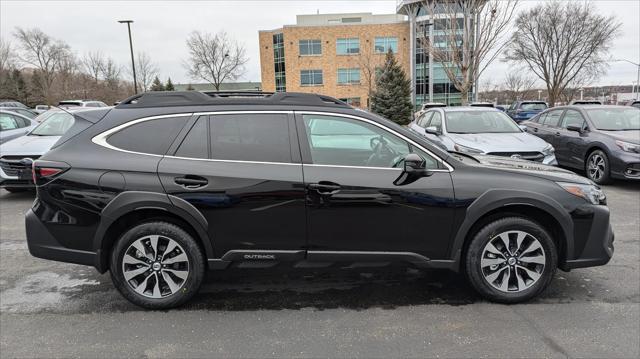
553	118
196	143
152	136
250	137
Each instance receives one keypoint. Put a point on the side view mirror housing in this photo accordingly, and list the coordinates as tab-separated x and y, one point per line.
414	168
433	130
574	128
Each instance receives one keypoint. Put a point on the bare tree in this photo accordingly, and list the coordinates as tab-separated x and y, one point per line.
473	37
92	63
66	71
7	56
215	58
518	85
146	70
558	41
43	52
111	72
369	66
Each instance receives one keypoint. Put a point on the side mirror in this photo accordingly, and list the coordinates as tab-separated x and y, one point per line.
414	168
574	128
433	130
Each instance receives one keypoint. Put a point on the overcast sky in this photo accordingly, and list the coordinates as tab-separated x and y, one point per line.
161	27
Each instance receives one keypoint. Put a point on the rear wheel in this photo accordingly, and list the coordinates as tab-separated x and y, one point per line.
597	167
511	260
157	265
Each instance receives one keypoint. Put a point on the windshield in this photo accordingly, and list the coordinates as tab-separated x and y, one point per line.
533	106
480	122
55	125
615	119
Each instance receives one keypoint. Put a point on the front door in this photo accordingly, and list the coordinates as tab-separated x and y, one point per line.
569	145
242	171
350	164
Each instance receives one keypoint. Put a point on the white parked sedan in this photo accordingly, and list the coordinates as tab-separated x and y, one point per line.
482	130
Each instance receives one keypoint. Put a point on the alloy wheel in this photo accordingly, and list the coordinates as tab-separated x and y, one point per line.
512	261
596	167
155	266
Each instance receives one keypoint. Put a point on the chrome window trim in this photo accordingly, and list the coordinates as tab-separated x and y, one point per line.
438	159
101	138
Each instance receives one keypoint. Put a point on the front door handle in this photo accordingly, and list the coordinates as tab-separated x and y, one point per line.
191	181
324	187
535	129
557	133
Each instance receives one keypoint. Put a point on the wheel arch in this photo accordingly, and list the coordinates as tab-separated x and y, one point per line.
135	207
495	204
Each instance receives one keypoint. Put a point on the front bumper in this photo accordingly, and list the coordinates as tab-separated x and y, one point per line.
592	238
625	165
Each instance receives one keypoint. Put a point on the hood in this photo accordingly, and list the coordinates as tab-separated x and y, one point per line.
500	142
530	168
632	136
28	145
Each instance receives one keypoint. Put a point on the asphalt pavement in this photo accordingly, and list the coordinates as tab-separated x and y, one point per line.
50	309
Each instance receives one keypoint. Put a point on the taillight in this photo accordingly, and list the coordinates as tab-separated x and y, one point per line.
44	171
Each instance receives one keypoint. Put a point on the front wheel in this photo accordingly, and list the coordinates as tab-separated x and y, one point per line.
511	260
157	265
598	169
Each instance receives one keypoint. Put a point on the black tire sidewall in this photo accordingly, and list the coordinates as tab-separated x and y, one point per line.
606	176
476	246
191	248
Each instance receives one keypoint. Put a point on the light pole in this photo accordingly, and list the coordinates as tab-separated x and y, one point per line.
539	92
637	76
133	63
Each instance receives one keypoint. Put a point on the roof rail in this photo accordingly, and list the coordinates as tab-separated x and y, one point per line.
197	98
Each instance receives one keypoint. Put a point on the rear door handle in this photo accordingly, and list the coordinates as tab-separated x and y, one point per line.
558	133
324	187
191	181
535	129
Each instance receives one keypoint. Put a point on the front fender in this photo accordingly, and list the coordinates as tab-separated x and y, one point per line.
503	198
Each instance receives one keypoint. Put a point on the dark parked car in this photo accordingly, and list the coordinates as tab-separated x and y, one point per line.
602	140
524	110
167	185
585	102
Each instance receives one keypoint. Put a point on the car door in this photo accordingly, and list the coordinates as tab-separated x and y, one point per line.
242	171
549	126
352	203
570	145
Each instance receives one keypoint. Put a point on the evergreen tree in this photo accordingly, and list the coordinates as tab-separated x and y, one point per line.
157	85
169	86
392	96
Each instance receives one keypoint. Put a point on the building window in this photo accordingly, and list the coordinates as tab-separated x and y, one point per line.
311	77
278	62
351	101
349	46
383	44
348	76
310	47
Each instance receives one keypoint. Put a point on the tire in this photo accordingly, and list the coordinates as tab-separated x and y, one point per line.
15	189
174	270
597	167
488	280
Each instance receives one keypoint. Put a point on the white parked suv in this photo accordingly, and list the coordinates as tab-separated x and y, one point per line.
82	103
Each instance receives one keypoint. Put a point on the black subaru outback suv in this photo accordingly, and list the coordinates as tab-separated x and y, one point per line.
165	186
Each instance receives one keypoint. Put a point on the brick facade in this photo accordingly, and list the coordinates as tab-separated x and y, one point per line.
329	62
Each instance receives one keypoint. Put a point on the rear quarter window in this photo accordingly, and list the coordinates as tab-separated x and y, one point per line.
152	136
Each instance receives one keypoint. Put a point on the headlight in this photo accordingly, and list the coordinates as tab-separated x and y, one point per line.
593	194
548	151
461	148
628	147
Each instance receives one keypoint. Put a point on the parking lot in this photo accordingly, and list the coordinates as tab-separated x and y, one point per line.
63	310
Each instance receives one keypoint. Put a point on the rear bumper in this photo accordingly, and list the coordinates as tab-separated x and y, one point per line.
593	238
43	245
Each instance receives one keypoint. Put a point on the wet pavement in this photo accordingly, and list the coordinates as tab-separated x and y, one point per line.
50	309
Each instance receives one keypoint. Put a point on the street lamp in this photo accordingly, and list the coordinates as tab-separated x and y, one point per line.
539	92
638	75
133	64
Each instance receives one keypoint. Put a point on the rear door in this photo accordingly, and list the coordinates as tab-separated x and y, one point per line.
242	171
549	127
